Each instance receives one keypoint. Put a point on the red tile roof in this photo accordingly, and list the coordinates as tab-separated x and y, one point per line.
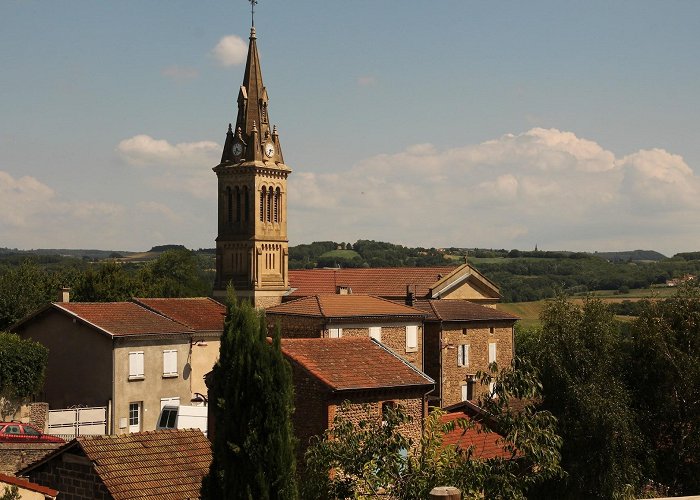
353	363
201	314
27	485
345	306
486	444
461	310
122	318
156	464
385	282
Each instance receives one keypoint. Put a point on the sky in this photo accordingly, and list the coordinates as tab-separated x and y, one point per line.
566	125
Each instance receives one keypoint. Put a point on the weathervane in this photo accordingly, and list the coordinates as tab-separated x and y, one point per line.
252	11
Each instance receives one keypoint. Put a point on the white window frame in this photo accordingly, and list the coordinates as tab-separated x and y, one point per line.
463	355
375	332
135	420
335	333
492	352
170	363
411	338
136	365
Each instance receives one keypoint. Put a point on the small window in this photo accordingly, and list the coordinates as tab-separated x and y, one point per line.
136	365
492	387
492	352
492	330
411	338
464	331
167	418
170	363
335	333
463	355
375	332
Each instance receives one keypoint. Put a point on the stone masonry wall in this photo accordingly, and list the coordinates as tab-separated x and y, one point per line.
363	406
74	480
15	456
39	415
478	336
310	414
295	326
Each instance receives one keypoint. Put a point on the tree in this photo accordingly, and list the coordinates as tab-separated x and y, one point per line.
11	493
252	397
360	460
664	377
578	352
175	273
22	369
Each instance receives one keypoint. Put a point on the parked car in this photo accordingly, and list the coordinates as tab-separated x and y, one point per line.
17	432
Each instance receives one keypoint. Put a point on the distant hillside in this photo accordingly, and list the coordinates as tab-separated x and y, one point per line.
631	256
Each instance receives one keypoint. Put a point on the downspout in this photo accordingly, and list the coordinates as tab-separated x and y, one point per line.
112	405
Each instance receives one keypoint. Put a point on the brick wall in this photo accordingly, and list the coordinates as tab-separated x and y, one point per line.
478	336
39	415
310	414
15	456
431	339
73	476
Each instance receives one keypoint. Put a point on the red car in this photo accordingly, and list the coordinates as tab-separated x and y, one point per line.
17	432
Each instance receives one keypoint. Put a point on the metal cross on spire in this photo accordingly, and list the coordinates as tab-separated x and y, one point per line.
252	12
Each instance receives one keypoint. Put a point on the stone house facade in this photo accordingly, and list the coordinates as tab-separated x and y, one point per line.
353	377
397	326
461	339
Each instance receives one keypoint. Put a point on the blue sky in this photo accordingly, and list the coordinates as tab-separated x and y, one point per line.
571	125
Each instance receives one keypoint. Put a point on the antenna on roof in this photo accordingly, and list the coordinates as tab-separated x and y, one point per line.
252	12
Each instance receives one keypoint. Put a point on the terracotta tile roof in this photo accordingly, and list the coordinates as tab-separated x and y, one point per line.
385	282
486	444
201	314
122	318
157	464
27	485
460	310
353	363
345	306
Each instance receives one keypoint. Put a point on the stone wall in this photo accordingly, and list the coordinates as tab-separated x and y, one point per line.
73	475
296	326
15	456
478	337
394	337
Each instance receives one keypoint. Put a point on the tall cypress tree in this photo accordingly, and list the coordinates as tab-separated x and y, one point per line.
252	397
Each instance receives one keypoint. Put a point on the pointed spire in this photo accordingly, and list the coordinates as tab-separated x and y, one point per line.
227	154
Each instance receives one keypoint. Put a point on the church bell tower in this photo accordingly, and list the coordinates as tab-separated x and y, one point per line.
252	246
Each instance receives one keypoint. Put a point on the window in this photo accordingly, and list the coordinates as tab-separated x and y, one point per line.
167	418
170	363
246	204
238	204
468	391
335	333
411	338
492	352
136	365
263	196
277	204
492	330
269	205
229	205
492	387
134	417
463	355
375	332
464	331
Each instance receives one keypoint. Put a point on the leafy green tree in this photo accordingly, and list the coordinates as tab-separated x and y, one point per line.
22	369
578	353
11	493
252	397
362	460
109	282
175	273
664	377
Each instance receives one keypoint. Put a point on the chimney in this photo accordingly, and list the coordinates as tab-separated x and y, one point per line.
64	294
410	296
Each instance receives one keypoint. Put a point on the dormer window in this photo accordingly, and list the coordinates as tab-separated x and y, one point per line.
343	290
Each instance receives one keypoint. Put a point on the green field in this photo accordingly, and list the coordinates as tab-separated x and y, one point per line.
528	312
340	254
634	294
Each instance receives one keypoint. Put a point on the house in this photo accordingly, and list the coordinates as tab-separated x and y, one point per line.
205	317
397	326
120	355
146	465
442	282
26	489
462	338
357	370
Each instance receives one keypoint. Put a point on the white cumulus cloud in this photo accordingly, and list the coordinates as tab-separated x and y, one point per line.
230	51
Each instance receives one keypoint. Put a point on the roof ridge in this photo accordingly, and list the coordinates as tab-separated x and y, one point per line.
320	307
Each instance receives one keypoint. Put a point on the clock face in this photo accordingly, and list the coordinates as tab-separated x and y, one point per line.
269	149
237	149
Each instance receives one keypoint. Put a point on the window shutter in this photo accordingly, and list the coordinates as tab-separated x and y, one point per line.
136	364
463	355
465	392
492	352
375	332
335	333
411	337
169	363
